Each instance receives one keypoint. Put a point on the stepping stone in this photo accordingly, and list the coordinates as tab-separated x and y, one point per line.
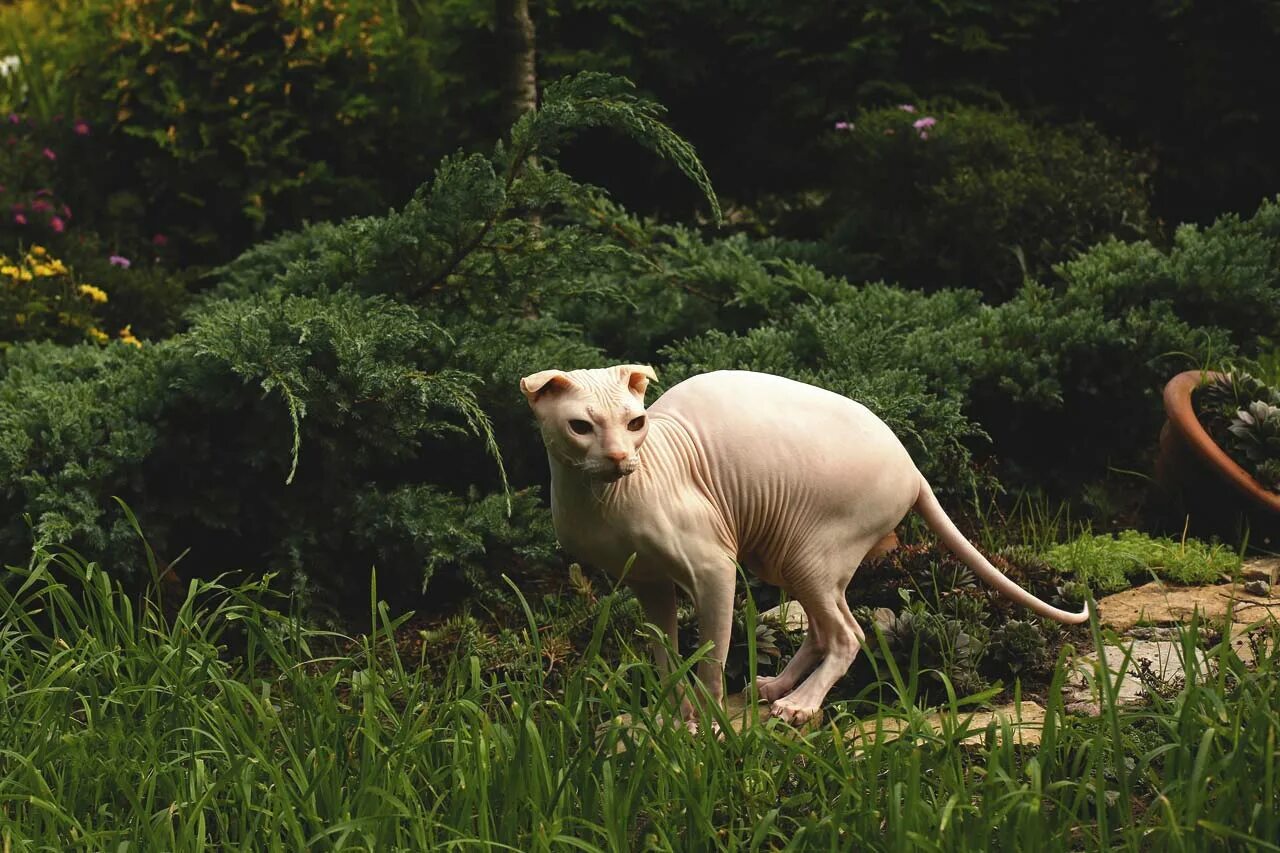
1156	603
1261	569
1026	719
1249	646
789	615
738	710
1082	695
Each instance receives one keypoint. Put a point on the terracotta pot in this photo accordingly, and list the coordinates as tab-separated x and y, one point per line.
1201	481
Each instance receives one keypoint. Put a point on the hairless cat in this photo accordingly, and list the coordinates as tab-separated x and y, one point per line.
791	481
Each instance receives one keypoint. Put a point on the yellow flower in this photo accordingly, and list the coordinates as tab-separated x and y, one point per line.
24	275
97	294
126	336
58	266
43	270
98	335
11	271
38	251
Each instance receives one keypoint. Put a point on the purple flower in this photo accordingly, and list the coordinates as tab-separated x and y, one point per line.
119	261
844	125
924	134
20	219
57	224
41	206
924	123
14	118
49	155
907	108
159	240
82	127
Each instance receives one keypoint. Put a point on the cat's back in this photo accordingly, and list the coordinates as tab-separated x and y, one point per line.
790	467
758	419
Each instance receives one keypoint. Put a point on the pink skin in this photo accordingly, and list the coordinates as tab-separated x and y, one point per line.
733	468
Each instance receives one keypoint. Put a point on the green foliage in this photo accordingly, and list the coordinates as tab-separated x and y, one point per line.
1224	276
35	83
590	100
328	357
43	166
1020	645
148	294
343	356
935	196
78	426
1112	563
790	65
798	68
422	748
225	123
943	646
34	201
420	529
933	613
42	299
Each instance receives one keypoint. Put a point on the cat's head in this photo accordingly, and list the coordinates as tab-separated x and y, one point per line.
592	420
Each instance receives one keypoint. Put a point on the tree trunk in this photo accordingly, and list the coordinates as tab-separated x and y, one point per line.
516	39
514	28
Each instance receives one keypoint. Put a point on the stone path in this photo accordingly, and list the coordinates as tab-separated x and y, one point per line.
1025	720
1146	647
1148	650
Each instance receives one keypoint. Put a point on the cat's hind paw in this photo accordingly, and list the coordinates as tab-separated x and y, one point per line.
795	713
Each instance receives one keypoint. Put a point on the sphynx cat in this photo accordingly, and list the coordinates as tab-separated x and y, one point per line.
791	481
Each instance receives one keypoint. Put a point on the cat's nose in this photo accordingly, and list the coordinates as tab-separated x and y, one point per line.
616	455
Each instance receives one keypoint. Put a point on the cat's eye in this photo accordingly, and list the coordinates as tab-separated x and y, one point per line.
636	424
581	427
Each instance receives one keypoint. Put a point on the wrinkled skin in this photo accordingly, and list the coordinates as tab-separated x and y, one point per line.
793	482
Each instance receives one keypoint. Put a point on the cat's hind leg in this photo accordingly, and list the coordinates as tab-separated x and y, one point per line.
820	590
772	688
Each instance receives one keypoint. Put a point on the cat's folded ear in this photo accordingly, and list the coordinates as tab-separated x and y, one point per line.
536	384
637	376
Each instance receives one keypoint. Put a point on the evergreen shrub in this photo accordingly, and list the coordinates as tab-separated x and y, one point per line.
327	410
219	124
934	196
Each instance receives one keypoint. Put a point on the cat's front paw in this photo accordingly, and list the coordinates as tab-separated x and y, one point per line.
771	688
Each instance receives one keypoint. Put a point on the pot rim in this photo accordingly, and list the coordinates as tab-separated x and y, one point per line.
1183	420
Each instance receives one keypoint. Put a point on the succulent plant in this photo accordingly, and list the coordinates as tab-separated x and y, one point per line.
1242	414
1020	645
949	646
1257	432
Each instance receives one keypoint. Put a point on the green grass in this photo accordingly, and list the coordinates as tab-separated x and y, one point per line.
1112	563
226	723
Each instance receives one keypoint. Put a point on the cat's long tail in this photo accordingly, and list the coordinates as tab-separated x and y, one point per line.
938	520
